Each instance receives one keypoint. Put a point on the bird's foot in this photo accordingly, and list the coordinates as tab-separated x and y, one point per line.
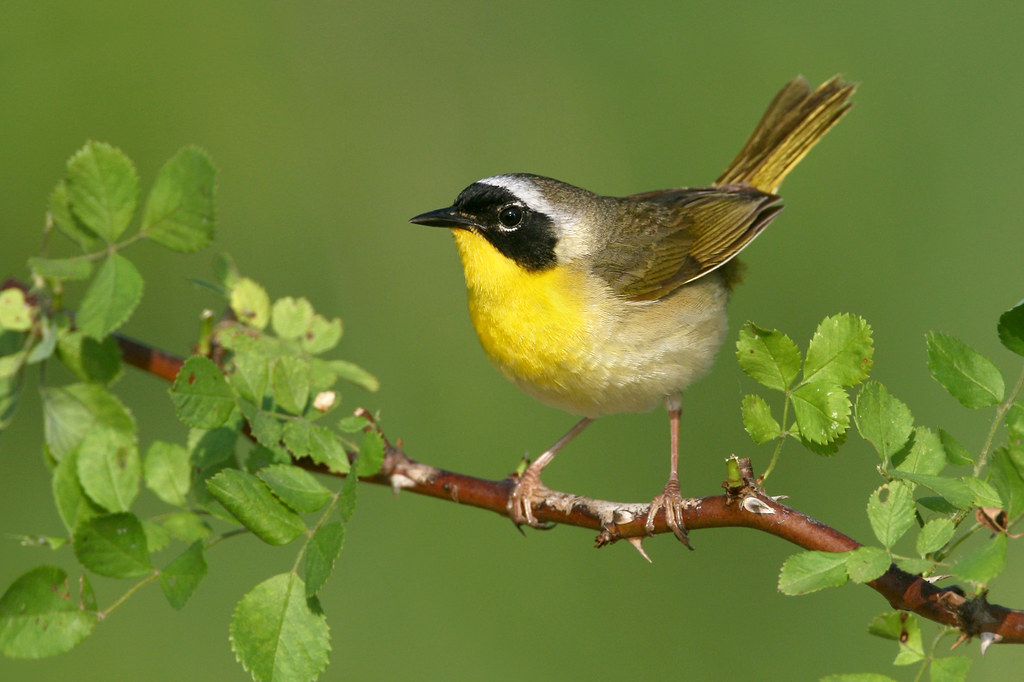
672	502
520	501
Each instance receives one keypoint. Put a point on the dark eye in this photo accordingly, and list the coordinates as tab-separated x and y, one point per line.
510	216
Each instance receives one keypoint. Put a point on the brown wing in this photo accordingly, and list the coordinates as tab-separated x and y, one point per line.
668	238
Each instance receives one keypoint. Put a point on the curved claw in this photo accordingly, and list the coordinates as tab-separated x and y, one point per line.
672	502
520	507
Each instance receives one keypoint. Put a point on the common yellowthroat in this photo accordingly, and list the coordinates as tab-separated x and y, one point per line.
599	305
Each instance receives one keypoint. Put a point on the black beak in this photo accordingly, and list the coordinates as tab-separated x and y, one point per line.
443	217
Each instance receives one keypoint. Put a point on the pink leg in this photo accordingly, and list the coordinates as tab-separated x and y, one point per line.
670	499
520	507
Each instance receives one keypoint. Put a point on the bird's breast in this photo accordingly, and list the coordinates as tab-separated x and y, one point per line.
532	325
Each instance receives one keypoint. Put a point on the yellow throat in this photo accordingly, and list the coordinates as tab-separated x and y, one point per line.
532	325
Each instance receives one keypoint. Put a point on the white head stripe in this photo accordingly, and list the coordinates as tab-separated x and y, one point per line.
524	189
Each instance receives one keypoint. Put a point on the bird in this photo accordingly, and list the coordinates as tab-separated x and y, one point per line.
599	305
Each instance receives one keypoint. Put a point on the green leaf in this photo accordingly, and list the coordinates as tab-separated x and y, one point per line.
296	437
937	504
321	375
354	374
883	420
250	501
1015	423
840	351
113	545
43	350
952	490
103	188
109	468
322	335
864	564
89	359
983	563
10	394
758	420
956	454
111	297
70	411
1011	328
295	487
914	565
72	503
157	537
353	423
925	456
39	617
903	628
891	512
347	497
984	494
326	449
66	222
290	382
179	209
1007	480
168	472
949	669
225	270
260	457
812	571
11	364
321	553
266	429
275	634
187	526
15	312
888	625
965	373
182	576
61	268
769	357
822	411
371	454
934	536
250	303
291	317
201	394
210	453
251	374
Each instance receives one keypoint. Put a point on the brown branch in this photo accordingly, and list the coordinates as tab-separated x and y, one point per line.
744	504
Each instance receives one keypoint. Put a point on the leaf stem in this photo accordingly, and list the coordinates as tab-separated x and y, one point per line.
225	535
131	590
1000	414
948	549
781	440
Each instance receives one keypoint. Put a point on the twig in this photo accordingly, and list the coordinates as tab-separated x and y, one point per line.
744	504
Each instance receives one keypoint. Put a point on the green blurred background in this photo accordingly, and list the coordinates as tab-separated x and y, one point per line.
333	123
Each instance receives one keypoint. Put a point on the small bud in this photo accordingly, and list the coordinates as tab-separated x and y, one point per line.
325	400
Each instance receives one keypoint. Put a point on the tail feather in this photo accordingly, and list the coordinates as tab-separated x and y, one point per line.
793	123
